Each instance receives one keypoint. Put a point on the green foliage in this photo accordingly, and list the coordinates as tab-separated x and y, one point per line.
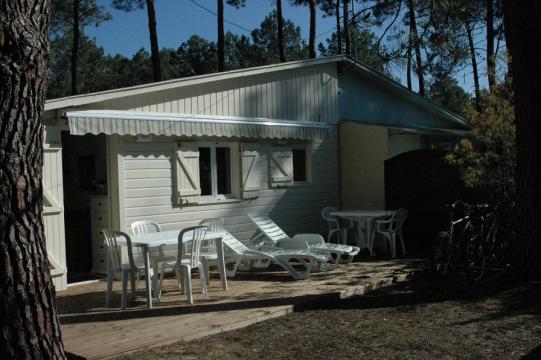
367	52
447	93
265	39
128	5
90	13
487	160
92	66
197	56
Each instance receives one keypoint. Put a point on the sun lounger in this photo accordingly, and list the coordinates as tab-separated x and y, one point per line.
341	253
296	250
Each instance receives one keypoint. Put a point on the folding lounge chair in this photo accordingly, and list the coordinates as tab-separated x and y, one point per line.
299	251
342	253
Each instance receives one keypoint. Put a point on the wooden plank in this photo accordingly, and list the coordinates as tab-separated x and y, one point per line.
174	320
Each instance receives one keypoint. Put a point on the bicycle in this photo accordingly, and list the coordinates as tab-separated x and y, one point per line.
487	247
447	246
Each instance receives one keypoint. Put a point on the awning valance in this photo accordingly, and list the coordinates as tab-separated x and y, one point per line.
170	124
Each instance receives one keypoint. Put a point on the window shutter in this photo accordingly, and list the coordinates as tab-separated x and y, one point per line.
281	167
187	173
251	171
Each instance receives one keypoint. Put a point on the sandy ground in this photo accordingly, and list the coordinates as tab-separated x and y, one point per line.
425	318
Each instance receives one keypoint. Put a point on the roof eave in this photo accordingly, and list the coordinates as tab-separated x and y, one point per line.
83	99
418	99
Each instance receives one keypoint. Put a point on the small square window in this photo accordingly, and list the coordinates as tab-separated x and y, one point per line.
299	165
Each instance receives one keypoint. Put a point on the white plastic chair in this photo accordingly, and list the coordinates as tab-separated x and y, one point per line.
188	258
334	224
208	247
392	228
130	270
163	253
145	227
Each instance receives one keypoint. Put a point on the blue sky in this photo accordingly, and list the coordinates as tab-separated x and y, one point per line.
177	20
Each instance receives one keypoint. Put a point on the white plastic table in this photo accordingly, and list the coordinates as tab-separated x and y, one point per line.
155	239
368	217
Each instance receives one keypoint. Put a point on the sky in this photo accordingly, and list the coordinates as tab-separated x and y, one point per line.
177	20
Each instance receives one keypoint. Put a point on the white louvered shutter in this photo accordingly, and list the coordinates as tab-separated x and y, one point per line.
251	171
187	173
281	167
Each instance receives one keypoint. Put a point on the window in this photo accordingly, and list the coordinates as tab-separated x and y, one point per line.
215	174
299	165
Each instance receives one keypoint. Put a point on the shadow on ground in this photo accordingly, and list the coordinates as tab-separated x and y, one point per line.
515	297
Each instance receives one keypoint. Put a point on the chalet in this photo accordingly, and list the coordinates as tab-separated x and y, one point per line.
286	139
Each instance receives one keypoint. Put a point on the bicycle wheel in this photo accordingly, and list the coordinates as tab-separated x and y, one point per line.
441	254
500	248
475	256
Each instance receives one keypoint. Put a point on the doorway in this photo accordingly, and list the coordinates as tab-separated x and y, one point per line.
84	163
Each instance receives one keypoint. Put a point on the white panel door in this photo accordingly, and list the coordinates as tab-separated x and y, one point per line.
53	214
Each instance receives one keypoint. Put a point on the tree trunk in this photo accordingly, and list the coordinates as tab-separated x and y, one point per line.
414	41
75	47
312	40
491	61
156	69
408	67
221	55
338	32
474	66
280	31
523	38
346	26
28	322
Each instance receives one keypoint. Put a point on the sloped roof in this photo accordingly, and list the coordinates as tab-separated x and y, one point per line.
350	65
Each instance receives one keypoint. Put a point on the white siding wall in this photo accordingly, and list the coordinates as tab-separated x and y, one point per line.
147	189
304	94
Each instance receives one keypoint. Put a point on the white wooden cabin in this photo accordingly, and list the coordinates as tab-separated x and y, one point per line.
286	139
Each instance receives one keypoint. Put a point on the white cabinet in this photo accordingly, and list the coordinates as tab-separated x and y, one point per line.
100	218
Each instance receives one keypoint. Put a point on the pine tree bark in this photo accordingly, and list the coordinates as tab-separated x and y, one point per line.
28	322
338	31
523	38
75	46
346	26
221	50
280	24
415	43
408	66
155	50
312	39
473	57
491	61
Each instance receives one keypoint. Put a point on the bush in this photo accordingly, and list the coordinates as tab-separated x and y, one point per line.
487	160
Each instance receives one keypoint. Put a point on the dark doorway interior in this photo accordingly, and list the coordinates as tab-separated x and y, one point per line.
84	163
423	182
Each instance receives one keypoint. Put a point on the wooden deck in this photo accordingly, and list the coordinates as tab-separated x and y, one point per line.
91	330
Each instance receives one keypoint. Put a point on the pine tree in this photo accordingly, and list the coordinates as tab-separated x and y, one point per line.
131	5
28	320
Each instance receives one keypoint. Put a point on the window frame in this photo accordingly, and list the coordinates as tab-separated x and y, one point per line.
233	161
308	151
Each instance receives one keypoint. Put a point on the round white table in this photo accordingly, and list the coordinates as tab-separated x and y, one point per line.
366	216
156	239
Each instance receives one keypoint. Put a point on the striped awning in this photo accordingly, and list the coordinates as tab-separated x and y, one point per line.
146	123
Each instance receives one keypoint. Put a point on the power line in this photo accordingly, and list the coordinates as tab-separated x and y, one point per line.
213	13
